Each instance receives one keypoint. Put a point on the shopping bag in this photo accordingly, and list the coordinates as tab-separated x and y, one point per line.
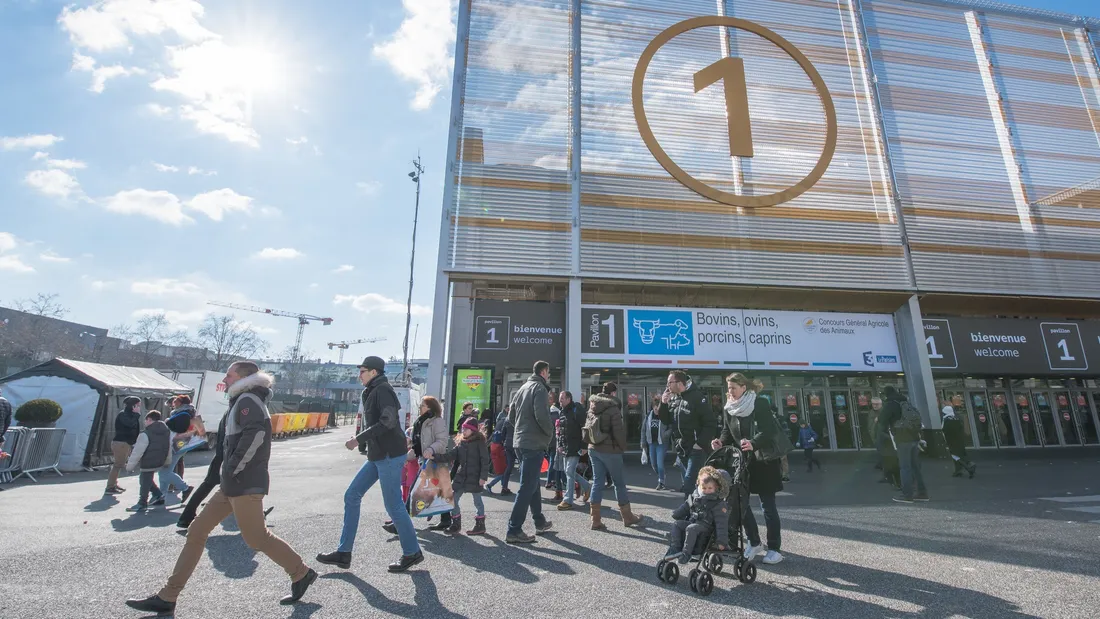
545	465
645	457
183	446
432	493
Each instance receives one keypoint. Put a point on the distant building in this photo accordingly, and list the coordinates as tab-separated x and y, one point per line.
28	339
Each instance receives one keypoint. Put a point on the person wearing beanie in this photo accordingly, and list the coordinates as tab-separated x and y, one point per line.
469	474
127	429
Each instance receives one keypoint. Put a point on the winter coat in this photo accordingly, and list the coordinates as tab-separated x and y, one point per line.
531	416
127	426
152	450
569	428
664	431
430	432
955	435
247	443
610	411
765	476
807	438
381	428
708	510
471	463
504	429
692	420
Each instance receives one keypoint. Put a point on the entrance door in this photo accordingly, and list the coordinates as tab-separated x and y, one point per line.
985	420
1086	422
790	405
958	402
843	418
865	419
814	402
1043	406
1002	416
1029	423
1064	416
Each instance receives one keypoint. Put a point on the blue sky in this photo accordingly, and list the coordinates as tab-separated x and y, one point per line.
155	155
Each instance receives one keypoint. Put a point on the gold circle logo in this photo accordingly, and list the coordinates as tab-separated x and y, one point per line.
735	91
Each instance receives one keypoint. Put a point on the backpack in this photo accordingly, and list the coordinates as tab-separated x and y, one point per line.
592	433
907	429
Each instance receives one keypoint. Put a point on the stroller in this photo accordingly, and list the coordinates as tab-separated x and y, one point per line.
709	560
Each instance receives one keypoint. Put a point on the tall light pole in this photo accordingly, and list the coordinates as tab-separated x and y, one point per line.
415	175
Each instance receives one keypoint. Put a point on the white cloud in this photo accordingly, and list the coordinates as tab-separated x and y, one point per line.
343	268
285	253
373	302
231	126
177	318
39	156
53	183
297	141
158	110
100	285
29	141
369	188
165	168
160	205
215	204
7	242
12	263
421	49
49	256
108	24
66	164
192	170
100	75
164	287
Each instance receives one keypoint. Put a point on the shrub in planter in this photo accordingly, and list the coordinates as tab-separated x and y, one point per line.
40	413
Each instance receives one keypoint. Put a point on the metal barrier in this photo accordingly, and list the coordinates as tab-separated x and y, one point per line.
15	444
42	451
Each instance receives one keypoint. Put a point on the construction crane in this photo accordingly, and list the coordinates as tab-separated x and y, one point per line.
345	345
303	320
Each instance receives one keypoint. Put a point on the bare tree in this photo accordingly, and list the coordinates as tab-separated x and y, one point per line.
151	333
42	304
226	339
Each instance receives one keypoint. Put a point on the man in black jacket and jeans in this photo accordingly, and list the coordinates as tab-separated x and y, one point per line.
908	444
570	442
685	407
127	428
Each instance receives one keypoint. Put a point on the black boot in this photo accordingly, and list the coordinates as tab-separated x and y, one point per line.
406	561
443	524
389	527
152	605
456	526
339	559
971	468
298	588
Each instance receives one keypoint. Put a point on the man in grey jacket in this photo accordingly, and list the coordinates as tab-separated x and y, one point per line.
534	430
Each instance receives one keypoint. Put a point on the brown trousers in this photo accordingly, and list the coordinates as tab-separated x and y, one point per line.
121	453
249	511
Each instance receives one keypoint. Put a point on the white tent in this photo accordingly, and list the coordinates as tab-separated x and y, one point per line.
90	395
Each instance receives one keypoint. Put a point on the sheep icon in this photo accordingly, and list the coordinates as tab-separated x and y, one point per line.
673	334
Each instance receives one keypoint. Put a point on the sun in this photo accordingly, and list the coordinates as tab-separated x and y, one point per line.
254	70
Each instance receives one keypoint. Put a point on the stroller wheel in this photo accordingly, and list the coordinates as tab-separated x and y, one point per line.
693	579
661	570
714	563
671	572
748	573
705	583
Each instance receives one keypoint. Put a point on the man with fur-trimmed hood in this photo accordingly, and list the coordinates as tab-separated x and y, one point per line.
244	482
704	512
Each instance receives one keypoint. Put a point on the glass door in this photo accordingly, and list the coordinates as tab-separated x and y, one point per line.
843	418
956	401
1002	416
817	416
1086	422
1043	406
790	406
985	425
1064	417
1029	423
865	419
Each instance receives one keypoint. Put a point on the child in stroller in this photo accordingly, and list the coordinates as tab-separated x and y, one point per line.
708	525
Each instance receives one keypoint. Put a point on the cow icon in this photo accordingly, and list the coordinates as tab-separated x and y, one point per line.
673	334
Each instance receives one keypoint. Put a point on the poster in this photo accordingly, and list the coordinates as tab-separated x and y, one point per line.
471	384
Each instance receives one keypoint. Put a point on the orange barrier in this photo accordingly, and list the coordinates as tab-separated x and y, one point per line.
278	424
323	426
311	423
289	424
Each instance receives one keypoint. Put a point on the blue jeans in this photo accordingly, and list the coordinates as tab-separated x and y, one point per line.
608	464
771	520
388	473
657	460
571	478
694	463
909	458
527	497
168	477
479	504
503	478
552	476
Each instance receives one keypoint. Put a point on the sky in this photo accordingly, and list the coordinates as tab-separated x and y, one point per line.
157	155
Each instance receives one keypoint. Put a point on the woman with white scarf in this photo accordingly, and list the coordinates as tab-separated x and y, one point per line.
748	423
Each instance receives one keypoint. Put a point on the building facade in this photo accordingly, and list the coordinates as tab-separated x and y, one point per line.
831	196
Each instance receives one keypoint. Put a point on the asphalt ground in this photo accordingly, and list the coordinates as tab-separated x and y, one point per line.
1022	539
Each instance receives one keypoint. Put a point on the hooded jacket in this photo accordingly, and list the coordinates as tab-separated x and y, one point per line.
664	432
382	431
152	450
432	434
569	428
247	442
709	510
610	411
471	463
531	415
127	426
692	420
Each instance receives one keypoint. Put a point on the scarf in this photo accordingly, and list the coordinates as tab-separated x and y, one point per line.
743	406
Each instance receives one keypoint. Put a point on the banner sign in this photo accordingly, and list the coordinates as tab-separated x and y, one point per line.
470	384
1007	346
729	339
516	334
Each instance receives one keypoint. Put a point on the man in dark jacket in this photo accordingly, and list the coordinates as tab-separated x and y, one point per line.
244	482
571	443
386	456
127	429
533	432
685	407
907	442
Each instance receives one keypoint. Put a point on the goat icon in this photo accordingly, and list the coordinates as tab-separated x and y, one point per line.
673	334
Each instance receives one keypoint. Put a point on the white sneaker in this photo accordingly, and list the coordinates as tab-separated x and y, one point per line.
751	551
772	557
